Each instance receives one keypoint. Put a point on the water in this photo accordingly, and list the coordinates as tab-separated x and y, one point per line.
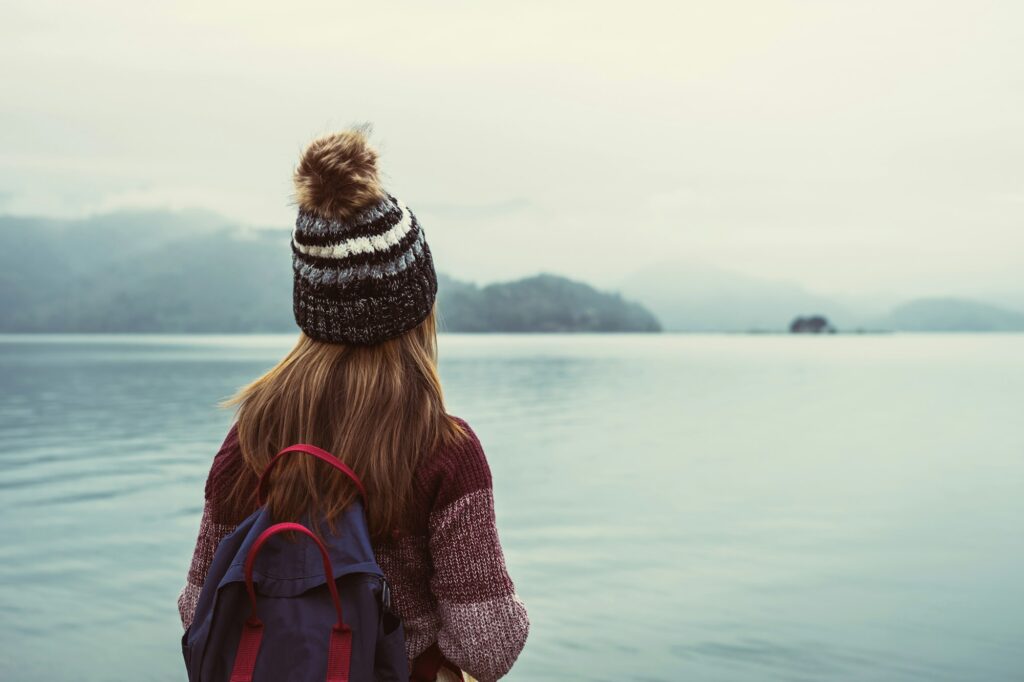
672	507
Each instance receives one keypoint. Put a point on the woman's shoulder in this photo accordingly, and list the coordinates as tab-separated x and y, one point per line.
458	467
227	468
226	462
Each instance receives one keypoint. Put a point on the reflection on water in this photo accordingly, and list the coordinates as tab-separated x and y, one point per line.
673	507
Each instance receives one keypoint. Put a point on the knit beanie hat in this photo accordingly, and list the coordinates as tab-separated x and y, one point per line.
363	271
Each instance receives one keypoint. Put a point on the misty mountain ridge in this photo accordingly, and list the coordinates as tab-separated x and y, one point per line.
174	272
195	271
691	296
696	297
953	314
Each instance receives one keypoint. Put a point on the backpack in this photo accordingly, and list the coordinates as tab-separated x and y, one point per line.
280	609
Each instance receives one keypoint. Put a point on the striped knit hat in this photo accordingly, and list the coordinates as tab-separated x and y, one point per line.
363	271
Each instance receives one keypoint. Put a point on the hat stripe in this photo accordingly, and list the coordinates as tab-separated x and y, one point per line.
358	245
377	257
317	230
328	276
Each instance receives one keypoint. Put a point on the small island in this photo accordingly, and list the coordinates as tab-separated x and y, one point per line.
812	324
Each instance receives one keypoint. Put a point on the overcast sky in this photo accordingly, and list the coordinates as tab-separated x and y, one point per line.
856	147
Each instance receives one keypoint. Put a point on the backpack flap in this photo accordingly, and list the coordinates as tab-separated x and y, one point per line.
286	567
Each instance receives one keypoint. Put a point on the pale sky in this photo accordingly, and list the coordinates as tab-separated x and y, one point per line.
855	147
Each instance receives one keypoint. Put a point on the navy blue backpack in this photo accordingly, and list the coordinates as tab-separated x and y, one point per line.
277	609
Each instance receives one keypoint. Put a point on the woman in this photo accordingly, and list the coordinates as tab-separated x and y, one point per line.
362	383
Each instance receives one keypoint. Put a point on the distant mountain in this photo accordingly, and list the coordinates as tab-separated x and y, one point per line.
192	272
692	296
952	315
545	303
695	297
142	272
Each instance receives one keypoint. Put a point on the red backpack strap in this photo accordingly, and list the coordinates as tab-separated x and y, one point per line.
314	451
340	653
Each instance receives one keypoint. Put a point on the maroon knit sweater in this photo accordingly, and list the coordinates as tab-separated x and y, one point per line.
447	571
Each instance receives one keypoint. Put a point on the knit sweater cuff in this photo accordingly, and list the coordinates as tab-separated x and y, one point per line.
484	624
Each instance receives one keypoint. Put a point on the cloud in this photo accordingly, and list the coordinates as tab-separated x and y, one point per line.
857	150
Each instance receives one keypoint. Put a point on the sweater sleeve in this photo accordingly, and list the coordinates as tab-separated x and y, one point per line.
484	624
217	522
210	535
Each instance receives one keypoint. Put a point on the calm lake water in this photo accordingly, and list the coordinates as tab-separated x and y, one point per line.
672	507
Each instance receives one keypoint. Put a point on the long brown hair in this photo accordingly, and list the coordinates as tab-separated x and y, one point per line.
379	409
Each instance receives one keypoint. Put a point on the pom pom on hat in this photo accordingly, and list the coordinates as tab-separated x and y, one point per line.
337	175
